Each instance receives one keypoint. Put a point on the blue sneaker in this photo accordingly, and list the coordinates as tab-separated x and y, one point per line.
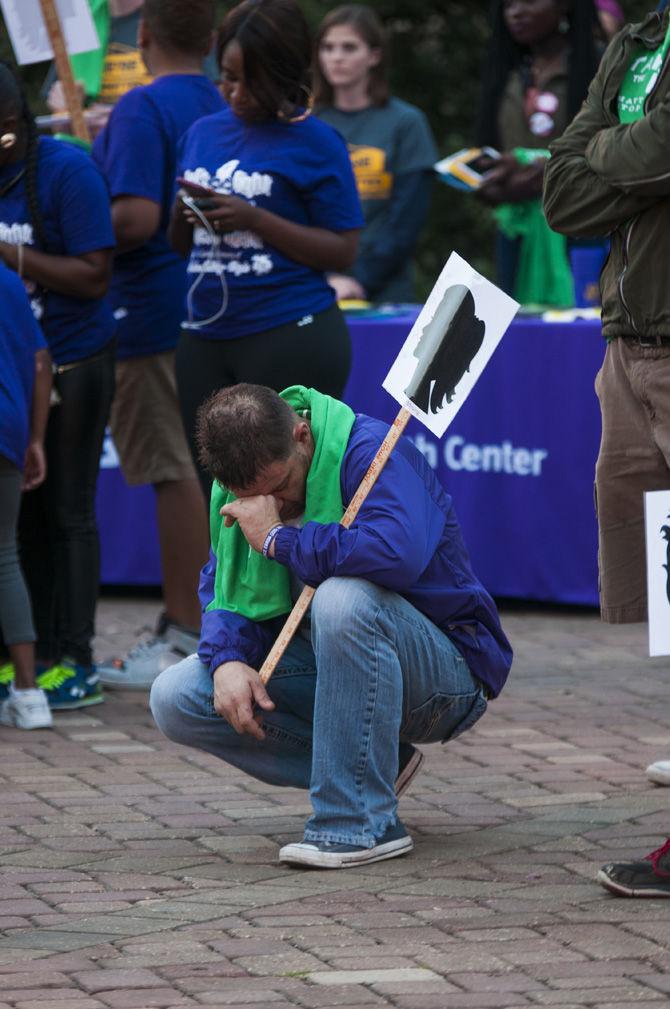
69	686
327	855
6	679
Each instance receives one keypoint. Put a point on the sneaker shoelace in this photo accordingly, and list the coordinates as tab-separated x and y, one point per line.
655	856
55	677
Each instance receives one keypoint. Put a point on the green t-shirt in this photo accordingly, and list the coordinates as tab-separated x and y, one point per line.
640	80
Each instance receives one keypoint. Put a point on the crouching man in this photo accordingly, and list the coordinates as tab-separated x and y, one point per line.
402	644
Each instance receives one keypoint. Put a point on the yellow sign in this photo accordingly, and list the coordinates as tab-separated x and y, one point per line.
124	69
372	180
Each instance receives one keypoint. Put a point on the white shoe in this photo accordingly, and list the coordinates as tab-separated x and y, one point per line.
328	855
26	709
659	772
141	666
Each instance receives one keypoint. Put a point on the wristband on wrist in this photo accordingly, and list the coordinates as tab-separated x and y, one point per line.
269	539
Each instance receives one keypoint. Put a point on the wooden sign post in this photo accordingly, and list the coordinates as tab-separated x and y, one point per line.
64	69
449	346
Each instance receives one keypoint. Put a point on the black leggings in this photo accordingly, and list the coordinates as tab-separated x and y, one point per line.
58	534
316	355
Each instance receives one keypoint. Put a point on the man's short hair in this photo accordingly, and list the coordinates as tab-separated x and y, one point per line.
241	430
184	26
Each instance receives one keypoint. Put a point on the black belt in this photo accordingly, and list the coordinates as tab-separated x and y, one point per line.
659	341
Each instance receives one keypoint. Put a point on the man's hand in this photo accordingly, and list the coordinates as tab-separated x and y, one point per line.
237	687
256	516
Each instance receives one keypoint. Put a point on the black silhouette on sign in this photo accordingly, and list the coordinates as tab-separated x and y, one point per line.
445	349
665	532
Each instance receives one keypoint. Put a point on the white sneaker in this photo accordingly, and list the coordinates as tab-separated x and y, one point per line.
659	772
328	855
141	666
26	709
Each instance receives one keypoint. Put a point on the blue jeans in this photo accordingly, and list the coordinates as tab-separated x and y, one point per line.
377	677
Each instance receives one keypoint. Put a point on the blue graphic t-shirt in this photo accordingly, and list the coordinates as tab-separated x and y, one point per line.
20	338
238	285
74	205
137	154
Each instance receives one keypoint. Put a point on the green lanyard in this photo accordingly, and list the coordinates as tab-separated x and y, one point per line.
640	80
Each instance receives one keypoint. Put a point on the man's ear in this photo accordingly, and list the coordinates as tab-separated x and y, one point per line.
301	432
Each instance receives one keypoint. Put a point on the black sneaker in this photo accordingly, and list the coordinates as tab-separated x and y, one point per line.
648	878
326	855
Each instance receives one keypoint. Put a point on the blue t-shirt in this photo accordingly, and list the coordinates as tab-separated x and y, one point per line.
20	338
137	154
300	172
74	206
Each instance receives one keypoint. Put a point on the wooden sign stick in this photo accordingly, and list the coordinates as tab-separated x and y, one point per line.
366	485
64	69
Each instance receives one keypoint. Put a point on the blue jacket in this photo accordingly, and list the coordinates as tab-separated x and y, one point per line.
406	538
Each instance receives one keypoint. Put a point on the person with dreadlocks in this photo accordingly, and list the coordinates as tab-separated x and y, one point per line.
137	154
56	234
540	61
281	212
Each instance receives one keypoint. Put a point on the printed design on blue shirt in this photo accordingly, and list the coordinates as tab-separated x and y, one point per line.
239	253
224	253
21	233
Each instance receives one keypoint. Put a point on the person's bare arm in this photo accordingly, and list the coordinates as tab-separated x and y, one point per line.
318	248
85	276
35	462
135	220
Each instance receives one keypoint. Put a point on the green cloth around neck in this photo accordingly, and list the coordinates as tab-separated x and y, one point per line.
640	80
543	275
88	67
257	587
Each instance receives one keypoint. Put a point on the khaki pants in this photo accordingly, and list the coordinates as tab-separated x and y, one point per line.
633	387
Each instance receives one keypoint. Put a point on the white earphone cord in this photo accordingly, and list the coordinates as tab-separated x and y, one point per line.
191	324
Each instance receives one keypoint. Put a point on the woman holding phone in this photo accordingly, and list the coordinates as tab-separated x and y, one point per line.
279	211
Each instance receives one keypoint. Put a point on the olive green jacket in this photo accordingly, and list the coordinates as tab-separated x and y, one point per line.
607	178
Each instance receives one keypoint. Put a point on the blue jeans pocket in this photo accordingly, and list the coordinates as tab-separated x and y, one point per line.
443	717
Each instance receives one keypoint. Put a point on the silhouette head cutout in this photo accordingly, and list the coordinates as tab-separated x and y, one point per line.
445	350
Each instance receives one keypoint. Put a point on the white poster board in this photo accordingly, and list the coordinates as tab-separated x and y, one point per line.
657	528
449	345
29	36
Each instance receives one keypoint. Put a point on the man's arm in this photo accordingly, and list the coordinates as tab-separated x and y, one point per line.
577	201
135	220
633	157
233	647
392	540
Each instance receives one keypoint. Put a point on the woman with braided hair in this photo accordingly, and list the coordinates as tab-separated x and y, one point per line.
56	234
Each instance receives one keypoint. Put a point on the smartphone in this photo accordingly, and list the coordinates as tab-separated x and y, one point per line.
196	189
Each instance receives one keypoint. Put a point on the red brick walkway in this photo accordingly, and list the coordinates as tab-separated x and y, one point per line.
138	874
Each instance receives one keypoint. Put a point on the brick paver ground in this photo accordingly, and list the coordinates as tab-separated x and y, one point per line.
140	874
